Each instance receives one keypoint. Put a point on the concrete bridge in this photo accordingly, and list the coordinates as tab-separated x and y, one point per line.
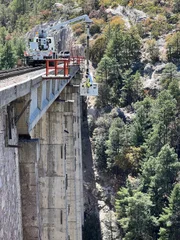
41	192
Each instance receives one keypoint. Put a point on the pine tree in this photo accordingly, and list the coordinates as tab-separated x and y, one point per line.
132	88
168	75
100	136
142	124
170	218
115	141
173	47
134	214
163	115
158	176
124	46
7	57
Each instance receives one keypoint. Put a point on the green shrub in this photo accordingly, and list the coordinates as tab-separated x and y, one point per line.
95	29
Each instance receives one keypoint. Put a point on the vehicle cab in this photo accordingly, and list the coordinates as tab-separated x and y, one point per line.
64	54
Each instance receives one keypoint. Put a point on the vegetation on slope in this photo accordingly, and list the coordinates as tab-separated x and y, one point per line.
16	18
143	152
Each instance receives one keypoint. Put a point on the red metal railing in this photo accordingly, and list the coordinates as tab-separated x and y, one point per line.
77	60
58	64
62	64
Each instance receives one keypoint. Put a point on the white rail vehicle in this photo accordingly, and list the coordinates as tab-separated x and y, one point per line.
40	49
43	46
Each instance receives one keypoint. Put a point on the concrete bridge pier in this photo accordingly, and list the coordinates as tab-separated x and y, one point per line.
78	162
52	173
28	161
43	175
60	168
71	184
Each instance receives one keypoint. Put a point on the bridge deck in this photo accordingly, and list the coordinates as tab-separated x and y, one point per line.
18	86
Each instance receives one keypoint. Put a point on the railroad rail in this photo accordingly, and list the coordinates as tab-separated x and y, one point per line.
18	71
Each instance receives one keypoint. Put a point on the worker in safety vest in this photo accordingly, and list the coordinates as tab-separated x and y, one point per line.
87	84
89	80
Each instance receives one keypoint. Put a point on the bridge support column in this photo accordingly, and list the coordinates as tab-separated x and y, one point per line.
28	161
70	163
52	174
78	158
74	162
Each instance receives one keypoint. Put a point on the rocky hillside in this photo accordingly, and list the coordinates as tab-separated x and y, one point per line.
134	122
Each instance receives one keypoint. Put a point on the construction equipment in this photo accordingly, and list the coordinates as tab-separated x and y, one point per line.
43	45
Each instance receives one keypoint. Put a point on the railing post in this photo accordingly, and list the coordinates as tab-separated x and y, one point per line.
47	67
66	67
56	66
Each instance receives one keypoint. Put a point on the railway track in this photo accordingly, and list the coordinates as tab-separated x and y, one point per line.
18	71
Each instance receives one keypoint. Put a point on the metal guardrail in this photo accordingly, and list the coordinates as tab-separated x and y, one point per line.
56	65
61	67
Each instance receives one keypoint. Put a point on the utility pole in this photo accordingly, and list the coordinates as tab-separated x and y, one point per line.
87	49
88	22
